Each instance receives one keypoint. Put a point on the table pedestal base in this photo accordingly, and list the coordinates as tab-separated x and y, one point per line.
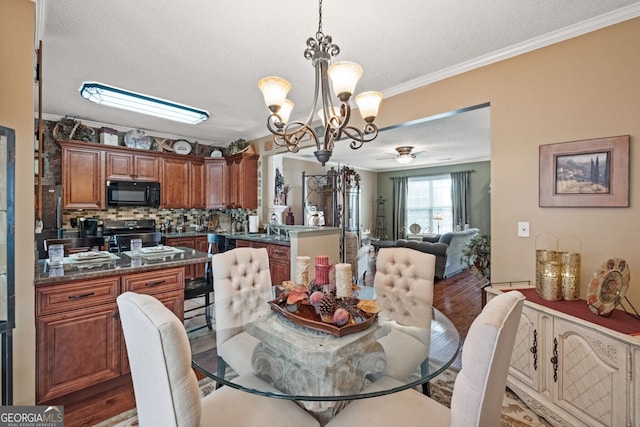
305	362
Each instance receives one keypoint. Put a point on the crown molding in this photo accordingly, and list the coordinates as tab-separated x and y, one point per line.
581	28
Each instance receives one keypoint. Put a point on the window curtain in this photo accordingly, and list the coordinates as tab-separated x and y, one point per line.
460	198
399	208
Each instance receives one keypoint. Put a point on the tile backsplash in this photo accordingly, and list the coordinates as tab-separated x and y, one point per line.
211	217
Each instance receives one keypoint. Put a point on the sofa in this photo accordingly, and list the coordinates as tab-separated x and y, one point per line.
448	250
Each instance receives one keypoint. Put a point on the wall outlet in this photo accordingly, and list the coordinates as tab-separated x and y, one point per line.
523	229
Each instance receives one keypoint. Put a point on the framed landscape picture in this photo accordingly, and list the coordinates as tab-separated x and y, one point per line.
587	173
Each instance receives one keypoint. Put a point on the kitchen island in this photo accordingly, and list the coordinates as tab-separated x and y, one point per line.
115	263
80	349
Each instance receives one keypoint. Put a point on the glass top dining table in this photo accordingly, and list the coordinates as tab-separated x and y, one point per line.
323	371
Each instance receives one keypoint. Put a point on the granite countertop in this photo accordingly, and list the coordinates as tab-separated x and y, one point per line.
174	234
260	237
256	237
114	263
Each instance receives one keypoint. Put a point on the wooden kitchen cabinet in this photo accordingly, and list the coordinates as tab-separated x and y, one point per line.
243	181
191	271
174	183
182	183
78	336
126	166
86	167
242	243
279	259
197	187
216	183
166	285
279	263
79	340
202	244
83	183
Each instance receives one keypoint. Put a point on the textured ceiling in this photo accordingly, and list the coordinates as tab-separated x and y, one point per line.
210	55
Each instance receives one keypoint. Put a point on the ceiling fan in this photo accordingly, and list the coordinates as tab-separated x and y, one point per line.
405	154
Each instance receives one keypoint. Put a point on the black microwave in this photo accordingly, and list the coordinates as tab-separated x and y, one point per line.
133	193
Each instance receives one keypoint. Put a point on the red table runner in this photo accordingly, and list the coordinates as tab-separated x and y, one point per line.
619	321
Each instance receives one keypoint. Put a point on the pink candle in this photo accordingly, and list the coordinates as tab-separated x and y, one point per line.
322	274
322	260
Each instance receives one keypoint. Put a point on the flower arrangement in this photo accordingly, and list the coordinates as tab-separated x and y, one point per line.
329	308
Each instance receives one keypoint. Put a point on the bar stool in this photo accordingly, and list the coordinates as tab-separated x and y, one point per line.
203	286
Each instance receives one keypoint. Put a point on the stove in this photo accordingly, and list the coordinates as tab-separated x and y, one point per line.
121	231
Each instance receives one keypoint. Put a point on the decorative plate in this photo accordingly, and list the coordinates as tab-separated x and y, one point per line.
415	228
89	256
182	147
86	255
608	286
137	139
156	249
216	153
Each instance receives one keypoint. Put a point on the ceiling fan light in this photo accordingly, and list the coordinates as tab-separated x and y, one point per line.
275	90
368	104
404	159
344	77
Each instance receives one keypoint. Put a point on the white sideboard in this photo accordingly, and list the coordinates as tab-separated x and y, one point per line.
573	372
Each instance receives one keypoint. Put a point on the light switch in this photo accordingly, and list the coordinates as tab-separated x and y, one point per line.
523	229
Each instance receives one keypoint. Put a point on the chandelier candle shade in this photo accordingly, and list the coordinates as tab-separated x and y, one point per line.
343	76
343	280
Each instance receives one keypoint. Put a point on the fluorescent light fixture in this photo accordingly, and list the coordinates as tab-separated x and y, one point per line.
144	104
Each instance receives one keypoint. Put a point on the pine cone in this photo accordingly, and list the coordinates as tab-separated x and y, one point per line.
350	304
326	307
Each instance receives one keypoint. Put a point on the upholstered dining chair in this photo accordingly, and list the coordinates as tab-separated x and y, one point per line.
478	391
165	385
404	287
242	288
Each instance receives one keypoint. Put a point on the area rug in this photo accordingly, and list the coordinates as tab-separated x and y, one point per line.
514	412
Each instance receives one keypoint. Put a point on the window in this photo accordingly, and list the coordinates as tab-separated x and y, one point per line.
426	196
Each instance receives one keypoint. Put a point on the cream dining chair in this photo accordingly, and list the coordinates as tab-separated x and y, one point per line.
242	289
478	391
165	385
404	287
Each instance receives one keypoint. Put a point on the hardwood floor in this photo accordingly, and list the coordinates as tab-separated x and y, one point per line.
460	299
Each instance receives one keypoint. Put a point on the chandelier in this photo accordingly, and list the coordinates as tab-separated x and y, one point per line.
344	76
